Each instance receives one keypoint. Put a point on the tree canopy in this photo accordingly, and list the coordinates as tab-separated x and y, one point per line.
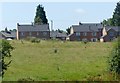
115	20
40	17
116	15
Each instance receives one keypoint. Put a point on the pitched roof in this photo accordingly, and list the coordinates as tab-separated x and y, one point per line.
57	34
43	27
116	28
9	35
87	27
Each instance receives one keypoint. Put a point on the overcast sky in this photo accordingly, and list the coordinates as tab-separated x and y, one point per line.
63	14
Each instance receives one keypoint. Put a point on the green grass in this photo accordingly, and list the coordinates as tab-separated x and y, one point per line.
73	61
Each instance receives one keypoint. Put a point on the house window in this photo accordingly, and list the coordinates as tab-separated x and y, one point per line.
22	33
84	39
37	33
111	33
44	33
77	34
84	34
78	38
30	33
94	39
93	33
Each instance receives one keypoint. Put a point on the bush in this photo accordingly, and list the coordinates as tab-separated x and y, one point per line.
114	59
25	80
85	41
5	51
33	39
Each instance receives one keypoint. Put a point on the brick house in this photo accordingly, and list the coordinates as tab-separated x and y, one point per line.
58	35
110	33
93	32
86	32
39	31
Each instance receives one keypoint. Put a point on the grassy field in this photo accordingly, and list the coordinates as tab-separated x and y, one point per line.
73	61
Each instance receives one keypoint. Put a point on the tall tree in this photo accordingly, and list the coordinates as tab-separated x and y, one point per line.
115	20
40	17
116	15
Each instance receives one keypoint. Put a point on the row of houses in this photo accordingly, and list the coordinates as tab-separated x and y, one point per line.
33	30
93	32
81	32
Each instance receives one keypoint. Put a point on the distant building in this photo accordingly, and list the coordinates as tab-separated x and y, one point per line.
110	33
39	31
93	32
8	35
58	35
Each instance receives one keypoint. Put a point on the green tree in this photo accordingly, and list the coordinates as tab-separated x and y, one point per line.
114	59
68	30
108	22
115	20
40	17
116	15
6	30
5	51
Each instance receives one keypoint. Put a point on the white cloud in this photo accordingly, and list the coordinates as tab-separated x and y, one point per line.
80	11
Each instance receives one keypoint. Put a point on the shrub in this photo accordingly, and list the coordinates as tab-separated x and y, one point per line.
55	50
25	80
114	59
85	41
33	39
5	51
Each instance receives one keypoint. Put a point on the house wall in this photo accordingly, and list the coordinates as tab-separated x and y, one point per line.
89	36
37	34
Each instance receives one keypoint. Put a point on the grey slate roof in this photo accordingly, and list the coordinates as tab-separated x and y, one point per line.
116	28
87	27
43	27
57	34
9	35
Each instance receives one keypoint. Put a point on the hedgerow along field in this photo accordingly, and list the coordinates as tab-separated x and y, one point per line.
59	61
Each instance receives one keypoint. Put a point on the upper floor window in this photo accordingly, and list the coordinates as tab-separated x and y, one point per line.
37	33
93	33
44	33
30	33
84	34
77	33
22	33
